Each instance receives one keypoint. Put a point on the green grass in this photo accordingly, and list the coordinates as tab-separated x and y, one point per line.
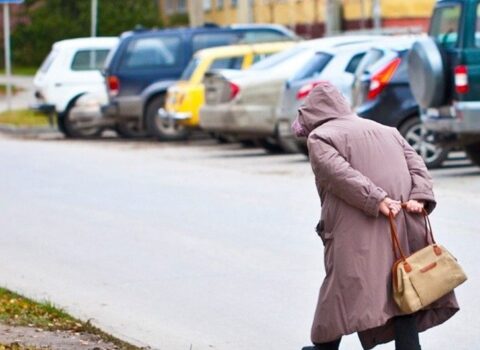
16	310
21	70
23	117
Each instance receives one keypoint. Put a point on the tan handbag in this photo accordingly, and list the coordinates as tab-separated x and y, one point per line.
426	275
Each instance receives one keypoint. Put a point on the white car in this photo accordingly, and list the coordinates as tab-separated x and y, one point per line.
71	70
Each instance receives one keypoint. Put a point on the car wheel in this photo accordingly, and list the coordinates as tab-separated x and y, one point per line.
71	129
288	144
303	149
164	129
473	152
270	146
422	141
130	130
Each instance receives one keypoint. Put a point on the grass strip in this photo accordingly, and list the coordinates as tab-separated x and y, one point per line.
21	71
23	117
16	310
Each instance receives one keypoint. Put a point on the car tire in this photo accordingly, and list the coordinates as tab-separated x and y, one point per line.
161	129
270	146
473	152
303	149
422	141
426	68
288	144
130	130
70	130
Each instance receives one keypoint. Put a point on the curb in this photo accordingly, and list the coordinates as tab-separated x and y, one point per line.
14	130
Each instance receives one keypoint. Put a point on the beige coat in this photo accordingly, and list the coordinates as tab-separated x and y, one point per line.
357	162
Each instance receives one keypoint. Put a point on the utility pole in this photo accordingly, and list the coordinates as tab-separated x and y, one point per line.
94	20
8	66
195	13
332	17
377	15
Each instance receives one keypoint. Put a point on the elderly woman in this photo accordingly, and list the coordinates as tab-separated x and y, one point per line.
362	169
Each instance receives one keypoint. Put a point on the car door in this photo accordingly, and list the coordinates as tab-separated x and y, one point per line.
81	74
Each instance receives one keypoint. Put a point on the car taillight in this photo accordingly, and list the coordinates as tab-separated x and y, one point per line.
113	85
382	78
305	90
461	79
234	90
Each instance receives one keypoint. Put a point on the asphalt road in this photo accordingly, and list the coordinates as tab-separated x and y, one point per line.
196	245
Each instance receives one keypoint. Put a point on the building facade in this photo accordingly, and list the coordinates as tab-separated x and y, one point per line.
307	17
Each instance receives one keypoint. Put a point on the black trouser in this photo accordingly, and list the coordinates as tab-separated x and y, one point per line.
406	335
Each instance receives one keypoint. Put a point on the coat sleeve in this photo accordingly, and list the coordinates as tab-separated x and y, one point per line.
422	184
334	174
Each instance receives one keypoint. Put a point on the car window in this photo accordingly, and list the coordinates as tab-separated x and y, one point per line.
445	24
354	62
278	58
261	56
47	62
89	59
262	35
205	40
188	72
313	67
370	58
155	52
227	63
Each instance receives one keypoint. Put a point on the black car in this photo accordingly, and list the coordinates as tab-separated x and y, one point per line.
145	63
382	93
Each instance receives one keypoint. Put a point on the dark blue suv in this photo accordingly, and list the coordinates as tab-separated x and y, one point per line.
145	63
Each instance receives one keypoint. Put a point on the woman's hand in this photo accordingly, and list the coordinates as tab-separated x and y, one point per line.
388	205
413	206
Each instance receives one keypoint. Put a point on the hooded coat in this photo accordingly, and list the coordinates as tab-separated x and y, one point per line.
357	163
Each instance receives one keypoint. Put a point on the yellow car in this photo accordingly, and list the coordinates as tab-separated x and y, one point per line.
185	98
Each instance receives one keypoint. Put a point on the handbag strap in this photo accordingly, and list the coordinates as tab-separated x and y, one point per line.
396	247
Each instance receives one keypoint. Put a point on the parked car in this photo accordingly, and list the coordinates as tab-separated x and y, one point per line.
248	105
444	67
72	69
383	93
185	97
146	63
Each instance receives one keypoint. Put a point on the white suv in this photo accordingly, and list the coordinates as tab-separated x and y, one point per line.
71	70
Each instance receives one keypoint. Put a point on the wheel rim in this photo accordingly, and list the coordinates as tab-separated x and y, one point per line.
75	127
421	141
168	126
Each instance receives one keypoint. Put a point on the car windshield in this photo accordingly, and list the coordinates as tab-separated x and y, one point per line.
445	24
278	58
188	72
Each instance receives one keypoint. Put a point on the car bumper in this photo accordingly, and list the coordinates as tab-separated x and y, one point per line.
124	107
461	118
256	120
44	108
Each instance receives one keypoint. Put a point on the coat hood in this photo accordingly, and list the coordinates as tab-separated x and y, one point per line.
324	103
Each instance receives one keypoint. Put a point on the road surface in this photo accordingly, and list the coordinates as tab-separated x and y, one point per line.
196	245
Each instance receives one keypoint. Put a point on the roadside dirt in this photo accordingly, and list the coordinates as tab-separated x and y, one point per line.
59	340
